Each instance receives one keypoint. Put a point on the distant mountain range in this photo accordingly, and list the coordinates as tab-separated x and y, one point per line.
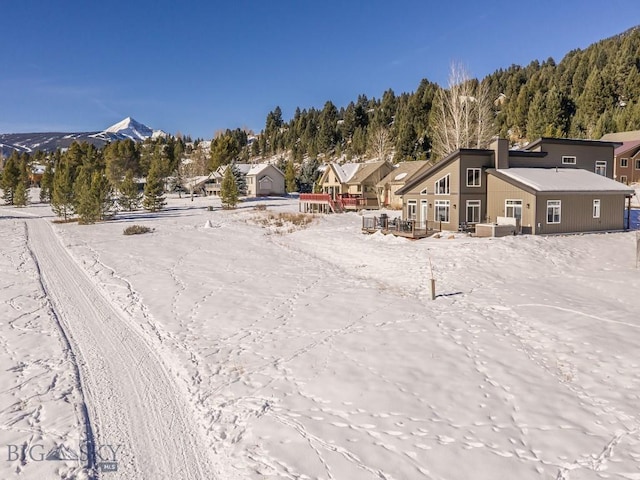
50	141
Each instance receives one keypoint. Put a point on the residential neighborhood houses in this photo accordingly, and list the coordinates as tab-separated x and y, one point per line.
550	186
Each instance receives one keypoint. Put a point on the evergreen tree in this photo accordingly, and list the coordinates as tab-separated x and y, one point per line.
241	181
309	175
46	184
102	191
10	179
130	197
62	197
86	204
21	194
229	189
21	198
327	134
154	199
290	177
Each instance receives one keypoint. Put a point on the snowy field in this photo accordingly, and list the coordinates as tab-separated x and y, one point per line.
317	353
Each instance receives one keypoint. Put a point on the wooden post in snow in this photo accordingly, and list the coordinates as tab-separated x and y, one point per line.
433	281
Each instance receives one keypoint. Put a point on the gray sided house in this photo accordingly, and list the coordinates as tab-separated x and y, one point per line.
471	186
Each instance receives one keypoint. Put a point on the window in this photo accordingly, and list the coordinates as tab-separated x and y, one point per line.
553	211
513	208
638	164
623	179
441	187
441	211
411	209
423	191
624	162
473	177
473	211
601	167
567	160
596	208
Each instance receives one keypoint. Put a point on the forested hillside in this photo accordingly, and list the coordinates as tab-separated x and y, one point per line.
588	93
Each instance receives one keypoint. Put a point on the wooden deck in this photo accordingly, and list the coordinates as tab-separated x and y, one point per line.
400	228
324	203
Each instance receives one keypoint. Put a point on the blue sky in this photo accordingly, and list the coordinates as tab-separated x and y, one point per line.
200	66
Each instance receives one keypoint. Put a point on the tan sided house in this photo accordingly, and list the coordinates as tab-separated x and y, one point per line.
264	179
396	179
350	186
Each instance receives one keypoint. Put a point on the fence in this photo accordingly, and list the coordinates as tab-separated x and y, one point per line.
397	226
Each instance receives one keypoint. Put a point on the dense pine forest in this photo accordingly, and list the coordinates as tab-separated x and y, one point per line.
588	93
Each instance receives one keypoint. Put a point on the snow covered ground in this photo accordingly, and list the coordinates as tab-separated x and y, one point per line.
317	353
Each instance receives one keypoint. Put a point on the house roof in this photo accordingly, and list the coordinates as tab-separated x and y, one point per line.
622	136
260	167
627	147
571	141
345	171
403	172
366	169
560	180
196	181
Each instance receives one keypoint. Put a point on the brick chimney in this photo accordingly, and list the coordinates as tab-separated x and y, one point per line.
500	147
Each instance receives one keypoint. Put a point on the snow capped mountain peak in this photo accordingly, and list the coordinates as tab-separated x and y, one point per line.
131	129
45	141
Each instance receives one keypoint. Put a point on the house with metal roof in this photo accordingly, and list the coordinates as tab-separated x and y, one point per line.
550	186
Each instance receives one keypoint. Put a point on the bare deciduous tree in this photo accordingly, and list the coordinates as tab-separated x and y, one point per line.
463	116
193	167
381	143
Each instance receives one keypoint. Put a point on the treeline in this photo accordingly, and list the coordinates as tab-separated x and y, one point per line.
93	183
589	93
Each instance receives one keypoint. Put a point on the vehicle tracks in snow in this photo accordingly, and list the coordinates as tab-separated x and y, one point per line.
133	402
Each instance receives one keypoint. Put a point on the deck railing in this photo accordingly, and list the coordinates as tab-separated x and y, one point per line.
315	197
397	226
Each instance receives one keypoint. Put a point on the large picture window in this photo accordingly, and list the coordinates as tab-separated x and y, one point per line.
441	211
473	177
442	186
553	211
513	208
473	211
